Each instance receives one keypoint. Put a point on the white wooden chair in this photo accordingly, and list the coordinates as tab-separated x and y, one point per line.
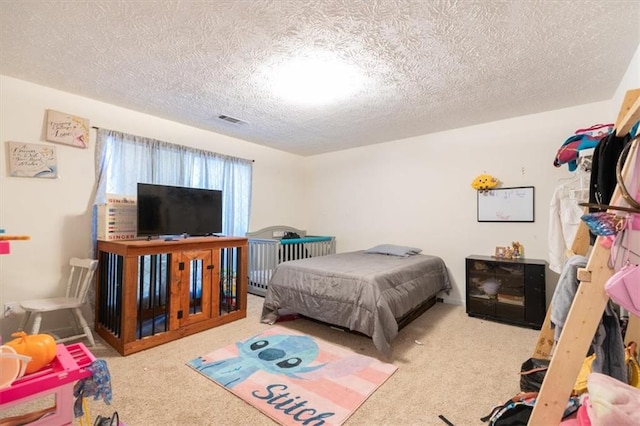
80	278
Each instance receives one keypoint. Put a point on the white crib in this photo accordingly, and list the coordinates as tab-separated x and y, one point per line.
267	249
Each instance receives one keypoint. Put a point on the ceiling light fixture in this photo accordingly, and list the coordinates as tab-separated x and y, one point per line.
317	79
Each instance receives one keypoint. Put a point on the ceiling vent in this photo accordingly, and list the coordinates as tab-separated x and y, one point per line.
231	119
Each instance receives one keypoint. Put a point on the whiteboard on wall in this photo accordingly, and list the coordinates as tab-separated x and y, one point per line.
506	205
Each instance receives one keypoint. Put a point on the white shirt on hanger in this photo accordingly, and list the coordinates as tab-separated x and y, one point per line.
564	216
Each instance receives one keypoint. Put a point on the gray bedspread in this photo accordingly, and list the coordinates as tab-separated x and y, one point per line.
364	292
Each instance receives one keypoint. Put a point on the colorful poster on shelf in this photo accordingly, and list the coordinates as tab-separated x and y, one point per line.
67	129
32	160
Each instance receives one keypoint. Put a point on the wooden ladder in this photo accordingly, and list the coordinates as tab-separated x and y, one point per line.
588	305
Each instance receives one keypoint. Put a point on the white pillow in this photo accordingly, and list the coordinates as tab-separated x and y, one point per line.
394	250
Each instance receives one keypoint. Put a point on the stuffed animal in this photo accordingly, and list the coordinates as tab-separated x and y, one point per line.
484	182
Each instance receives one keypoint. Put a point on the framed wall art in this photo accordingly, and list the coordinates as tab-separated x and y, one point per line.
67	129
32	160
506	205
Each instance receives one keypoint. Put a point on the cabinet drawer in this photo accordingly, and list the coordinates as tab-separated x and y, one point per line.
481	306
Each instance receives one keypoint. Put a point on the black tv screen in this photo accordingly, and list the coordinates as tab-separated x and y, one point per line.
176	210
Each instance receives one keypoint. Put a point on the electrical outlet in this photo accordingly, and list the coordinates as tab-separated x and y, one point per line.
11	309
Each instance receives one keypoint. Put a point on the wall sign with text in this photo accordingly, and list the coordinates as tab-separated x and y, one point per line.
32	160
67	129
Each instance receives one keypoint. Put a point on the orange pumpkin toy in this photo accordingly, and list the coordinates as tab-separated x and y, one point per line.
40	347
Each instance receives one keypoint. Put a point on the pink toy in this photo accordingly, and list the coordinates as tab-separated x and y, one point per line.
5	247
57	378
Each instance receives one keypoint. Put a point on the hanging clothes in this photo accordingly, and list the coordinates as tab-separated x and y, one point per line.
564	215
582	139
607	342
603	170
603	167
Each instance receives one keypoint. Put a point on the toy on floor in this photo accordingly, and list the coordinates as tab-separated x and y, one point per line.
41	348
55	380
12	365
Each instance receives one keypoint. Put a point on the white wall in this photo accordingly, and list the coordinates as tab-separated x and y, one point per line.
56	213
630	80
418	191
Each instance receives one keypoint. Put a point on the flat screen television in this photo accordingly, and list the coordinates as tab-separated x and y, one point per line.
175	210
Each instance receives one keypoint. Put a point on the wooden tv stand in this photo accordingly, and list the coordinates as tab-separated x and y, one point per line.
152	292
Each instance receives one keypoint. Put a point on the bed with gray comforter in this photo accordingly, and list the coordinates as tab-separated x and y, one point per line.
361	291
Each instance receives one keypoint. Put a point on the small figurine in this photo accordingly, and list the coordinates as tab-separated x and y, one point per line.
509	253
517	250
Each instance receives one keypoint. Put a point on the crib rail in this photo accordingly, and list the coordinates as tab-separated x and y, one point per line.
266	253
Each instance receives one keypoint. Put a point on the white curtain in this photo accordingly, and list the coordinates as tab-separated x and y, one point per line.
123	160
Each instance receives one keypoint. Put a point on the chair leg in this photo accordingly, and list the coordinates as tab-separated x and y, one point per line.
85	326
37	320
77	327
24	320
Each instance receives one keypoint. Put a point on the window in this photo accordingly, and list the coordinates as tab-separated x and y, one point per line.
123	160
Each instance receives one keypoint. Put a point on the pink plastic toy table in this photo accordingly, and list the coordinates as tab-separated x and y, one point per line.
69	366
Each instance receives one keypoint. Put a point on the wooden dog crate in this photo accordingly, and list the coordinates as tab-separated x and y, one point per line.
151	292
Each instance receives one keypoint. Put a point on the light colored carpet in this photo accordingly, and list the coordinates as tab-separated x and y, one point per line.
448	364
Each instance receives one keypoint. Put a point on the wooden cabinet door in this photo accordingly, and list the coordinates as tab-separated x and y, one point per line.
195	284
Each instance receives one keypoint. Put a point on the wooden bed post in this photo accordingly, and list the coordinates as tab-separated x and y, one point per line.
588	305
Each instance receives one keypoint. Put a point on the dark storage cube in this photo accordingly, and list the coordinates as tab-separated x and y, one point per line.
520	298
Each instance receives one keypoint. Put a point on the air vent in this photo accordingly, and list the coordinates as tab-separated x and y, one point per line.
231	119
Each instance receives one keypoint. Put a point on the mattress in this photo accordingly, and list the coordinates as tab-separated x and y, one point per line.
361	291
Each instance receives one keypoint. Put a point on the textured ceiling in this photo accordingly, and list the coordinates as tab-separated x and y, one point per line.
427	65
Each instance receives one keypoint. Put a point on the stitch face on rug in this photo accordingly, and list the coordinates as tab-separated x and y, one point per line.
288	355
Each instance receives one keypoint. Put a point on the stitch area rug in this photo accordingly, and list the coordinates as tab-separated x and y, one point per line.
295	378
